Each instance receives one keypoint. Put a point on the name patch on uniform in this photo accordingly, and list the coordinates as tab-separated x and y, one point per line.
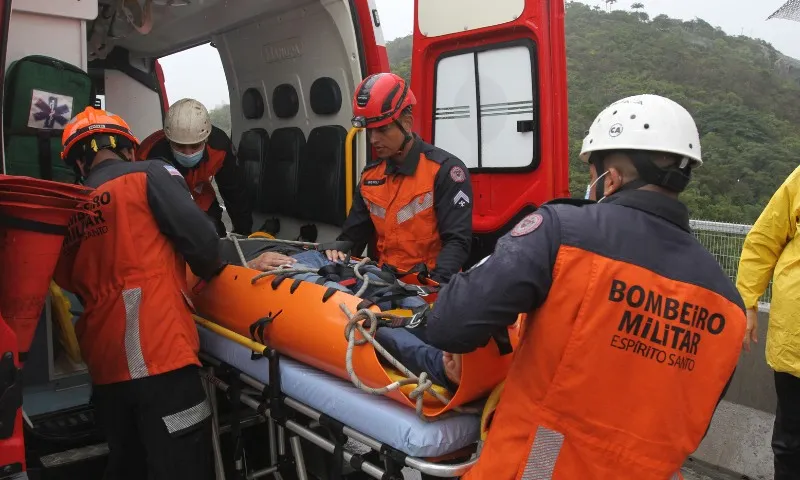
527	225
660	328
457	174
172	170
374	183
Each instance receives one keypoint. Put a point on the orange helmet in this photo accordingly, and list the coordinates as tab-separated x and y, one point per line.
104	129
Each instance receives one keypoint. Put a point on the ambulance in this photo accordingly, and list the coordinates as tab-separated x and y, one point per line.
491	84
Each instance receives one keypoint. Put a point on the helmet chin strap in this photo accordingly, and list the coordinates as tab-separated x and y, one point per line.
675	179
93	146
407	138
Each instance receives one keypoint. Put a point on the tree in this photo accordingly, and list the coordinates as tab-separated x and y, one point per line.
609	3
639	6
221	117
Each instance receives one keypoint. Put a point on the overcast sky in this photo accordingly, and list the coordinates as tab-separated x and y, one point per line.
736	17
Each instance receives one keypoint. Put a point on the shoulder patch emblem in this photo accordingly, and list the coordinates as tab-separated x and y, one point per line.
527	225
172	170
457	174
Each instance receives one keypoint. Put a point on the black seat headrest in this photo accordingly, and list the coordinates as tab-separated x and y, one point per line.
285	101
326	96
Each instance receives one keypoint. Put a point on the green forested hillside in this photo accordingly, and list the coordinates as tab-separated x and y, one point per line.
744	95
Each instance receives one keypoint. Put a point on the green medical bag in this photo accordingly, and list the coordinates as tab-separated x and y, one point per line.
42	94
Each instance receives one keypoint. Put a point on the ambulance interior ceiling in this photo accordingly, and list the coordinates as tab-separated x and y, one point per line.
179	24
263	46
290	67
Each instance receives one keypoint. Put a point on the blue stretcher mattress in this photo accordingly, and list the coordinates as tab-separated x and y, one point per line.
378	417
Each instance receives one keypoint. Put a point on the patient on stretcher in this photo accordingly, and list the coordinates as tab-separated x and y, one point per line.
406	344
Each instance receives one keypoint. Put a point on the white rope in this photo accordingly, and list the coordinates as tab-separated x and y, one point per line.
278	240
238	250
422	382
366	280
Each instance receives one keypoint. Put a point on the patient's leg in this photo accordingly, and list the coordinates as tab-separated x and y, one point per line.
415	354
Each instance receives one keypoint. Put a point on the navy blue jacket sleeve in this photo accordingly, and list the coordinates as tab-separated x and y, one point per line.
182	221
515	279
358	227
453	203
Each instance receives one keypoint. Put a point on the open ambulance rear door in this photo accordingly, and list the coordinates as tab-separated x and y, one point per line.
12	448
491	86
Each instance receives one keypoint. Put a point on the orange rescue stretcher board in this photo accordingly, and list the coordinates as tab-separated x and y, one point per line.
313	332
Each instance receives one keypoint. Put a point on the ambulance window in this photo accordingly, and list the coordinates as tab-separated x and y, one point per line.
501	133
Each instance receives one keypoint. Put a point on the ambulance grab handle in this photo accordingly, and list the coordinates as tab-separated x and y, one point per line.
348	168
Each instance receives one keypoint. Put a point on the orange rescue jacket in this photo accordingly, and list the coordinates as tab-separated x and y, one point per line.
420	210
633	333
130	277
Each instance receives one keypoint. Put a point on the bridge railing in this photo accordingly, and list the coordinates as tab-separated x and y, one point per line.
724	241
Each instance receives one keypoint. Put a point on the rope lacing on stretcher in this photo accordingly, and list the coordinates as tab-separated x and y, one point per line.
423	384
422	381
366	280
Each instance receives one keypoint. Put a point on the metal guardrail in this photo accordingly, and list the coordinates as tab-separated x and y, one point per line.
724	241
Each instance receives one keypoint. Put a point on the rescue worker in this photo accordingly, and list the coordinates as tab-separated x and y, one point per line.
771	251
633	330
416	199
124	259
202	152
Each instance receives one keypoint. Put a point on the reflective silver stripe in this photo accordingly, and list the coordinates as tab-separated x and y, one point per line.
544	453
418	204
133	343
187	418
376	210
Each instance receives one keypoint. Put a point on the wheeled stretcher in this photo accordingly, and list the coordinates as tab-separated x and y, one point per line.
294	396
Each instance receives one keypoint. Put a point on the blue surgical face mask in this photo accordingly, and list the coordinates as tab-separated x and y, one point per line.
188	161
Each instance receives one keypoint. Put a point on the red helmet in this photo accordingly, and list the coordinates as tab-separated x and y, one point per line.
90	124
380	99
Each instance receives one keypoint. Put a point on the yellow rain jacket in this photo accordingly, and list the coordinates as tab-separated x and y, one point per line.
772	251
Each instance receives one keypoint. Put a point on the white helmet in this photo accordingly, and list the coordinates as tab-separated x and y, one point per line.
188	122
644	122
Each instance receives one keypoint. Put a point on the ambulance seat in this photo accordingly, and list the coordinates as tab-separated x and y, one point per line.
286	151
252	154
321	176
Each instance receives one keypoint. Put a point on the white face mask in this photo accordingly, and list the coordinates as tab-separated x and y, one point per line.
589	187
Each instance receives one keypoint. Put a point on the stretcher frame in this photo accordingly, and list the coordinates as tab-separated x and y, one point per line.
277	408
